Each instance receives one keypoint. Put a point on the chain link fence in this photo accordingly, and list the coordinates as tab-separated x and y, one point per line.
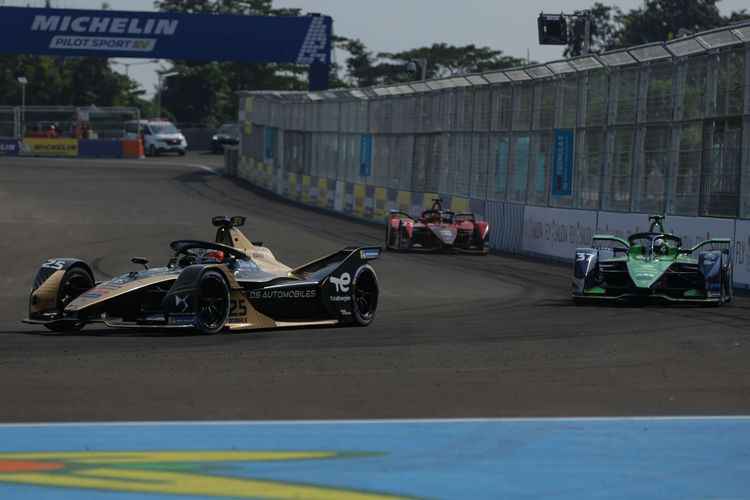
660	128
90	122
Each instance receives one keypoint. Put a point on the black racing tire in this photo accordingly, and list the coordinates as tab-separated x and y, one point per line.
181	152
75	281
726	285
579	301
152	151
211	303
365	293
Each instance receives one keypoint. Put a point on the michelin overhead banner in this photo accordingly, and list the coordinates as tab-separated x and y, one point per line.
110	33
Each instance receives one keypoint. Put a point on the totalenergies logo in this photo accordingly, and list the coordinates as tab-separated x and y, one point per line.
204	473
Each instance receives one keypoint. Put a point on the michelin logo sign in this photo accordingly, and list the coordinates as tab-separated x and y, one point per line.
104	25
165	35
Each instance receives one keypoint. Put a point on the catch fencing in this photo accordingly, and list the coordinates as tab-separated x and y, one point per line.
659	128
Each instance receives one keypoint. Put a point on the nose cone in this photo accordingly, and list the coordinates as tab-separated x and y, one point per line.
447	234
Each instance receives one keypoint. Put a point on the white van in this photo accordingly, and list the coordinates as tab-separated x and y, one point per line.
159	136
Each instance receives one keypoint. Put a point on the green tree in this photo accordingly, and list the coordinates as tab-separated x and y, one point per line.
654	21
449	60
363	69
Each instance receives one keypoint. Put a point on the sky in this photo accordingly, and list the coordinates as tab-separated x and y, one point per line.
398	25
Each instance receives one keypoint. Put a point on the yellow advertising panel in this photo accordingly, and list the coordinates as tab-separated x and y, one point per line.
323	192
359	200
43	146
306	182
381	199
459	204
404	201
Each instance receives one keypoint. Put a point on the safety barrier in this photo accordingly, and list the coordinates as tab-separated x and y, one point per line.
65	147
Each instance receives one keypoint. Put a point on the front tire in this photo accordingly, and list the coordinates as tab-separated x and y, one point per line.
388	231
726	285
211	303
75	281
365	294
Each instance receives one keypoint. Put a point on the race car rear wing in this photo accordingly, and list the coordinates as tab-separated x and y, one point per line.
710	241
400	214
319	269
611	237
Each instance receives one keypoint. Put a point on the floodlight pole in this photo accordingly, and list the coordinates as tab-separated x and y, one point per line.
162	78
23	81
586	15
587	32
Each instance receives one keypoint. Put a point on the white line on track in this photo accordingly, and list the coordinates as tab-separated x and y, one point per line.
387	421
120	162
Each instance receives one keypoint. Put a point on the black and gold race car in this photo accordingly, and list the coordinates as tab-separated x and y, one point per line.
231	283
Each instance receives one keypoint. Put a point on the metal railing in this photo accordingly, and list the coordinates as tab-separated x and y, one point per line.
663	127
80	122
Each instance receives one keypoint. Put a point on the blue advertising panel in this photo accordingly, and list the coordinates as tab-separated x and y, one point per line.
269	143
501	169
8	147
365	155
203	37
562	162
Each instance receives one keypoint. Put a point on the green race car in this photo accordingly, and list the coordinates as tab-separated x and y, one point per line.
653	265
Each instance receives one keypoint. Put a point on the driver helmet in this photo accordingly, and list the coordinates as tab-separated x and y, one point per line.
660	246
212	257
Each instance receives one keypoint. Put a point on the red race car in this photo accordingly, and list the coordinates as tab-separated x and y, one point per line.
437	230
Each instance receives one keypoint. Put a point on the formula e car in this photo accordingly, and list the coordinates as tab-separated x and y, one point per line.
437	230
209	286
653	265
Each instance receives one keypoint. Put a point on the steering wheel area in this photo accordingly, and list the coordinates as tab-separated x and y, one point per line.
188	252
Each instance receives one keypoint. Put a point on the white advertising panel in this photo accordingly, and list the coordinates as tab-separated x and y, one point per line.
557	232
741	257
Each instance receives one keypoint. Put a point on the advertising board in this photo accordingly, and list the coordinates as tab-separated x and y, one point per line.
8	147
556	232
111	33
38	146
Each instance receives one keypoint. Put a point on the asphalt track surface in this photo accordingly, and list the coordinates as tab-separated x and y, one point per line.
455	336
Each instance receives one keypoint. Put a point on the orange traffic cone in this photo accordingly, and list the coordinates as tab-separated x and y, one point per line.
141	151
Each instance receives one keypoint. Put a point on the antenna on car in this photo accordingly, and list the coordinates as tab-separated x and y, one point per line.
224	221
657	220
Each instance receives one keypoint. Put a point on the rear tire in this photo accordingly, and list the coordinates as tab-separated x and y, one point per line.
211	303
726	285
75	281
365	293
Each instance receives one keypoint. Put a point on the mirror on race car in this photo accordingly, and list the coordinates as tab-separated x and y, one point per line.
140	260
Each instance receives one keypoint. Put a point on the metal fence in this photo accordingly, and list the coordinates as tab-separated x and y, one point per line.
663	128
89	121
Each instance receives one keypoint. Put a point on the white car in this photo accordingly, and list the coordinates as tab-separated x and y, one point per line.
159	136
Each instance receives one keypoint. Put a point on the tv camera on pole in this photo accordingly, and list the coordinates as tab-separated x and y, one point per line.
553	28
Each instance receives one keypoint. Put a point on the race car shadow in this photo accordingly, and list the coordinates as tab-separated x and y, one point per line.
633	303
259	333
107	332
